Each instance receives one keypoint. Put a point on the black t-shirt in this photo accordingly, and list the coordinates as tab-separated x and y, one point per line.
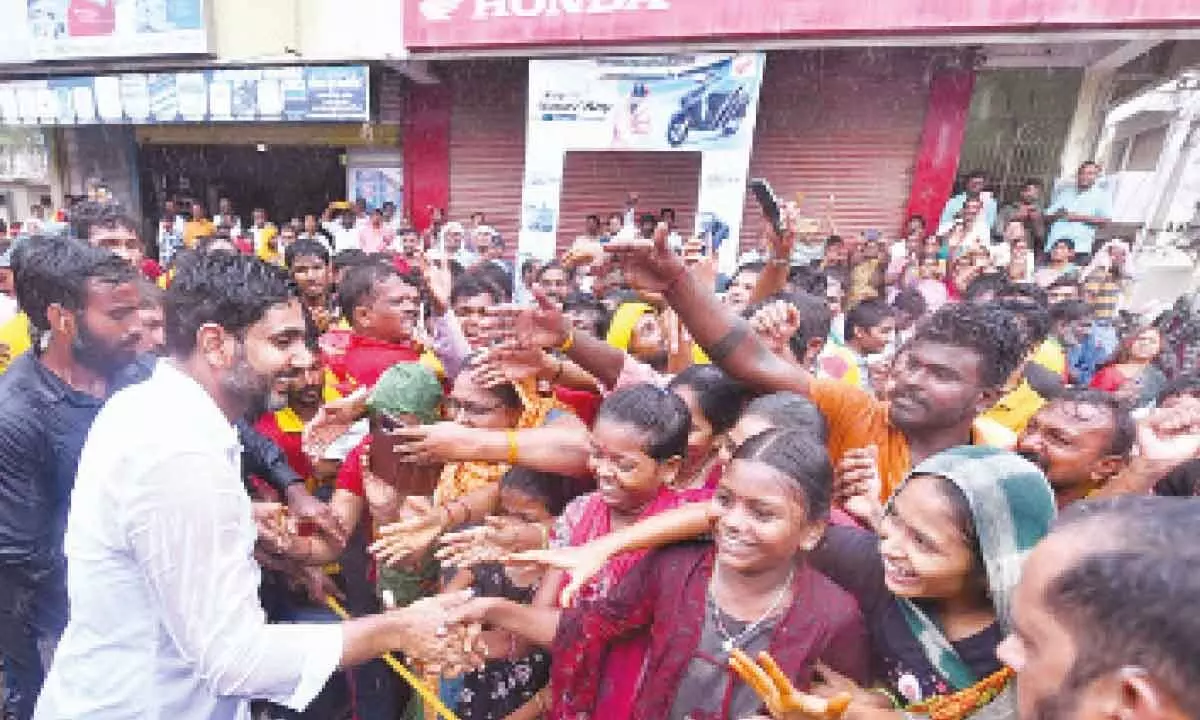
850	557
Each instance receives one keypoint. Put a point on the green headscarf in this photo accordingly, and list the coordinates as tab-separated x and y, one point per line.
407	388
1012	508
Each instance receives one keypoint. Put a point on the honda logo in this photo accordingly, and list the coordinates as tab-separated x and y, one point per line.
446	10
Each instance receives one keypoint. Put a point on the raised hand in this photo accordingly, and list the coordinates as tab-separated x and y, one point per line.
781	697
781	244
775	324
512	364
857	484
404	542
541	326
648	265
1171	434
439	281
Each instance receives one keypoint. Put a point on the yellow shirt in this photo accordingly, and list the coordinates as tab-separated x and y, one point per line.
193	230
1014	410
265	247
14	336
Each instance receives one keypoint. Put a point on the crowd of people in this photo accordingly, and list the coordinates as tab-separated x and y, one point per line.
943	476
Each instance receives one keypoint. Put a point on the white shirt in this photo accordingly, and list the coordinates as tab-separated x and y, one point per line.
344	238
166	623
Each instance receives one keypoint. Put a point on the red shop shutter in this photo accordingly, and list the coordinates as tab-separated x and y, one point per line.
487	141
597	183
845	123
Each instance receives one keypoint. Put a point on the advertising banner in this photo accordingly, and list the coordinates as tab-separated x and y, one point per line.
281	94
71	29
431	26
704	103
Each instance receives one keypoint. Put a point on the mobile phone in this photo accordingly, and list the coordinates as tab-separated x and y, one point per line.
769	202
387	465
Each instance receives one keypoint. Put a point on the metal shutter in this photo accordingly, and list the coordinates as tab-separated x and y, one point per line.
599	182
487	141
845	123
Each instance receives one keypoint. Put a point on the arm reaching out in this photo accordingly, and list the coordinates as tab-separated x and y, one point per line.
726	339
583	562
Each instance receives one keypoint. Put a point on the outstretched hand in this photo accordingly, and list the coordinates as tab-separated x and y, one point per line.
542	325
648	265
405	542
582	563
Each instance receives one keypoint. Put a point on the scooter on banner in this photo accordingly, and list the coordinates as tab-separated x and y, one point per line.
715	106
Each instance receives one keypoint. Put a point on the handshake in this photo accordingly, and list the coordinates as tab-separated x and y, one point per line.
439	640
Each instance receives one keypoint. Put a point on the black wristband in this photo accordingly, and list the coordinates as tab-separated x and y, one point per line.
722	348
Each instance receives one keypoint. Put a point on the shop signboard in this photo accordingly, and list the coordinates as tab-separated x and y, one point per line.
74	29
704	103
278	94
434	25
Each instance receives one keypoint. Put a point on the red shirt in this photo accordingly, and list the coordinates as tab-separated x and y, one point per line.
358	361
284	433
350	479
584	403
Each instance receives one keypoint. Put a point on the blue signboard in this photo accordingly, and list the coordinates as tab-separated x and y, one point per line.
276	94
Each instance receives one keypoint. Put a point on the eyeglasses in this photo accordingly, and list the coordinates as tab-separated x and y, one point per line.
453	406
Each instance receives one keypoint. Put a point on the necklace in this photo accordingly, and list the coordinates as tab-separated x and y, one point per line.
732	641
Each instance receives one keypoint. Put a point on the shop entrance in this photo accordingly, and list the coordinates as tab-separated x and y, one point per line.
287	180
597	183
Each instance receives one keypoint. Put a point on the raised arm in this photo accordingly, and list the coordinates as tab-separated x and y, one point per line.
726	338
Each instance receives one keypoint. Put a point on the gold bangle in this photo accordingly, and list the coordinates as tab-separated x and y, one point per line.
569	342
512	446
545	535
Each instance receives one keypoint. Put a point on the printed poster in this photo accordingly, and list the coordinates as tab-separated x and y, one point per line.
705	103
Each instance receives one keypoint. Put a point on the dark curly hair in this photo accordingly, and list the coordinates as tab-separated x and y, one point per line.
55	271
991	333
88	214
233	291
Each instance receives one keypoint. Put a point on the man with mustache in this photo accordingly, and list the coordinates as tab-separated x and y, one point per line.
1087	444
166	620
83	304
955	366
1102	619
382	305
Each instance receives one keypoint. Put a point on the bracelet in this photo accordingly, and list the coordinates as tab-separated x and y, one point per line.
512	446
558	374
569	342
545	531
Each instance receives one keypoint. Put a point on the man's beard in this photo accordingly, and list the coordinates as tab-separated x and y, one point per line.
91	352
1059	706
253	389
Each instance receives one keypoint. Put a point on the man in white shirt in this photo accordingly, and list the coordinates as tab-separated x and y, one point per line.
165	618
345	233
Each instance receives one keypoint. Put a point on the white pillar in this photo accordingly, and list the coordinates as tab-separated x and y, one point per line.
1171	162
1086	122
